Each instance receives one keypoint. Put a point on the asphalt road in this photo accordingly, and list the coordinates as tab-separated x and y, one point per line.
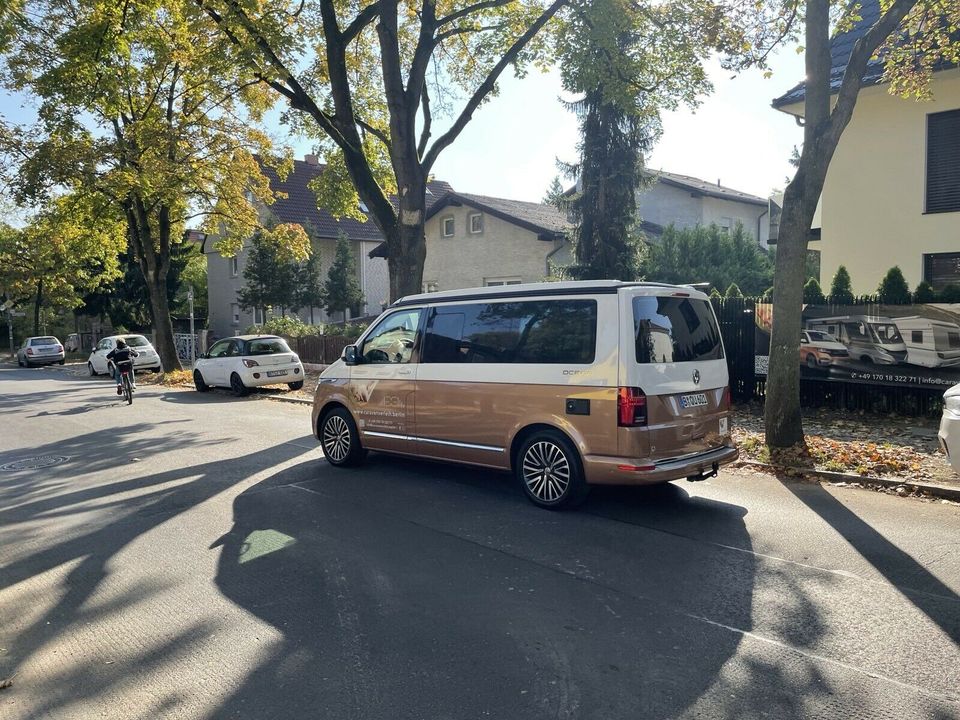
193	556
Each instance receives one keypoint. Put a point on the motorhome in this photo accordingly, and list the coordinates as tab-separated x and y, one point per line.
930	343
564	384
868	338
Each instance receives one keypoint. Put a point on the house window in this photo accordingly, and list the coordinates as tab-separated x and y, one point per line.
446	227
725	225
476	223
943	162
941	269
258	316
495	282
429	287
235	313
234	266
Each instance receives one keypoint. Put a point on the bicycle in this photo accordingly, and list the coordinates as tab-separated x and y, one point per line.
125	384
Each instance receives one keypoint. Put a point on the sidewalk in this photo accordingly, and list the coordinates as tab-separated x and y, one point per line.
856	445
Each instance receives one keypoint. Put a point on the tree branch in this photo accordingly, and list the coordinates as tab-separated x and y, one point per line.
363	18
377	133
427	121
488	84
470	9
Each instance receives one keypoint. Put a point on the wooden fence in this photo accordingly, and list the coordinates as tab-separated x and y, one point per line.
319	349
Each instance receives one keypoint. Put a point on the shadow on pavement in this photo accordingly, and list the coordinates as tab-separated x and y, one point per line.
413	590
931	596
89	550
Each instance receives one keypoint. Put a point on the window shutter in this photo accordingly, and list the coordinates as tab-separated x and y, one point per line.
943	162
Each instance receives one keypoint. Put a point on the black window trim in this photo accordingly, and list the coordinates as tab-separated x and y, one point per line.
926	173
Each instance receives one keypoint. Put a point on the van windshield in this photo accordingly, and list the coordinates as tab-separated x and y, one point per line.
675	329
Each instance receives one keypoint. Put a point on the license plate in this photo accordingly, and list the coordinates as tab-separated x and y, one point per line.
276	373
695	400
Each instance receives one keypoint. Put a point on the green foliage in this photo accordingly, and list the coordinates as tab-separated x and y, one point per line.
950	294
554	195
893	289
193	275
705	254
841	292
70	247
715	294
812	293
733	291
924	293
342	290
767	295
287	326
274	280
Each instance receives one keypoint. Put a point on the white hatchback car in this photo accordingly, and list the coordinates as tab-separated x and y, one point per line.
97	363
248	361
950	426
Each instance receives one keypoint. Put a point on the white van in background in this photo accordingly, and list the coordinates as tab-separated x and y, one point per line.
930	343
564	384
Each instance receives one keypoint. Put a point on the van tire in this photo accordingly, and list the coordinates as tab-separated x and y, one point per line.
340	438
549	470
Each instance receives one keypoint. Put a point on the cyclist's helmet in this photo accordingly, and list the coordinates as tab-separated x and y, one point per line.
121	343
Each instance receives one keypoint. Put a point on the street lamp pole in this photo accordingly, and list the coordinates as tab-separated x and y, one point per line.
193	340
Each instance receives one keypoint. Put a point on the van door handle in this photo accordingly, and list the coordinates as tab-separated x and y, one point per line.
405	372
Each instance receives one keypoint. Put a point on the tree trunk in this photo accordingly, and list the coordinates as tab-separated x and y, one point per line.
163	340
782	418
407	246
37	304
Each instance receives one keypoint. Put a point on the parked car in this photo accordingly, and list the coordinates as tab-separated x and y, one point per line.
148	358
950	426
42	350
820	349
247	361
565	384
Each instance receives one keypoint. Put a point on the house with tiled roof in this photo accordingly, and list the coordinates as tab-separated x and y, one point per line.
685	202
892	193
477	240
297	203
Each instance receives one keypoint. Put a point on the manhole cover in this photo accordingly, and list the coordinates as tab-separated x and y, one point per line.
33	463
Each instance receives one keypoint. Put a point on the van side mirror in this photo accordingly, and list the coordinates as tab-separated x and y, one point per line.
350	355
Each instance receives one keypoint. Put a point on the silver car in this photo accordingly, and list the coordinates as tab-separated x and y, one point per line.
41	350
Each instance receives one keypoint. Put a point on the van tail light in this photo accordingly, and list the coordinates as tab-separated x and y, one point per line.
727	401
251	363
631	407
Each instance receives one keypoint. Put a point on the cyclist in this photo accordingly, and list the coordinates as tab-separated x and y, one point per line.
122	357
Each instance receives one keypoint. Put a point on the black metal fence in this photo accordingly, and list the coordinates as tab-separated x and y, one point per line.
737	318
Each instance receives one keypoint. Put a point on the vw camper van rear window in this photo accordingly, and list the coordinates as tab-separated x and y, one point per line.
675	329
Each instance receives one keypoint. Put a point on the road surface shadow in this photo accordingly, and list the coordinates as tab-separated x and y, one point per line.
927	592
412	590
89	550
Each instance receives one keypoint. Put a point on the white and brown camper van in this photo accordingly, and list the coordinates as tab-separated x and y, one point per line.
564	384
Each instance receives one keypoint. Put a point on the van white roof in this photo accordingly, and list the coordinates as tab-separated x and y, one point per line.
573	287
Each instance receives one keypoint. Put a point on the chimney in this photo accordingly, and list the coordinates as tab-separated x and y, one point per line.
311	159
718	182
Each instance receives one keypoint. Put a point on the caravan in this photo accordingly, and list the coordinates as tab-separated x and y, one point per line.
869	338
930	343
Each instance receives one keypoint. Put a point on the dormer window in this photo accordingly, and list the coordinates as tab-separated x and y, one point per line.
446	227
475	223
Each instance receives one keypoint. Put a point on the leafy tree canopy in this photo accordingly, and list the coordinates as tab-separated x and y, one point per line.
893	288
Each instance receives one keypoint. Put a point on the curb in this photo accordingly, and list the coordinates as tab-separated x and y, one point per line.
295	401
944	492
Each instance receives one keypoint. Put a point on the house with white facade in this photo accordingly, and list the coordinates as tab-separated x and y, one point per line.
892	193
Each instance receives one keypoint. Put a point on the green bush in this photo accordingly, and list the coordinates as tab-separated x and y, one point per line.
841	291
950	294
924	293
714	293
767	295
733	291
893	289
288	326
812	294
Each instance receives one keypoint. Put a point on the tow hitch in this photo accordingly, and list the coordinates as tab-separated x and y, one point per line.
705	474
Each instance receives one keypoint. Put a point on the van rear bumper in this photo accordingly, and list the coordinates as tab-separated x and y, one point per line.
606	470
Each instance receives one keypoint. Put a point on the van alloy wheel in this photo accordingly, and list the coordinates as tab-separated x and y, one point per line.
548	468
336	438
340	439
546	471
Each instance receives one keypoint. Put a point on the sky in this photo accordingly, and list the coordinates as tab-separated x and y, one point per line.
511	147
